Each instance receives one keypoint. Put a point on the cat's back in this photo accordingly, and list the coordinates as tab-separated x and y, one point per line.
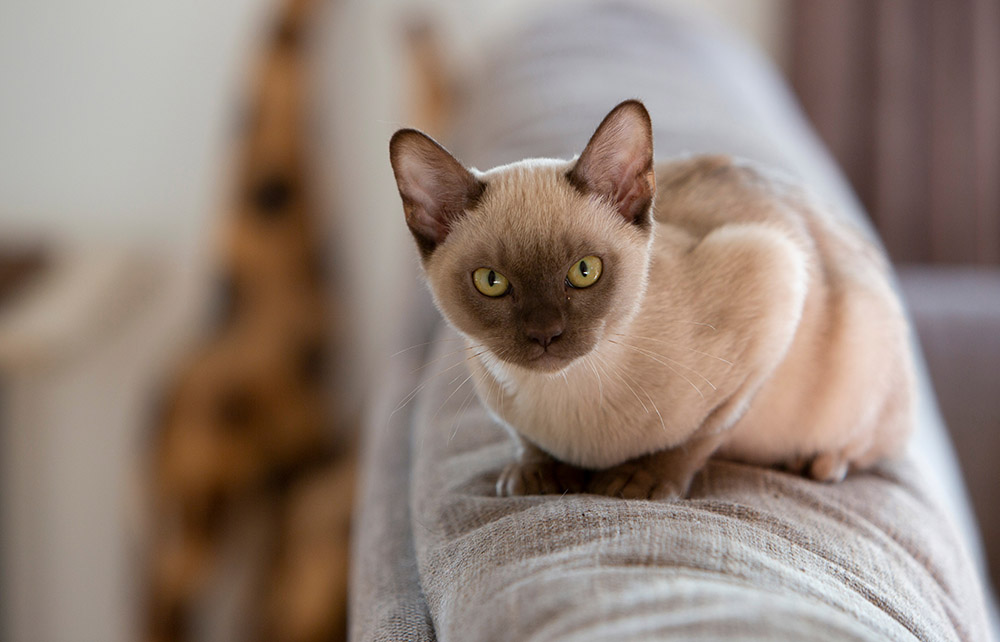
849	358
701	193
698	195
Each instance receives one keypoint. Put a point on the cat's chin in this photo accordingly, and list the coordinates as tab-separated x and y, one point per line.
545	363
548	363
535	359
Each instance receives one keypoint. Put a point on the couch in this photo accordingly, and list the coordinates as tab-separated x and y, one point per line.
753	553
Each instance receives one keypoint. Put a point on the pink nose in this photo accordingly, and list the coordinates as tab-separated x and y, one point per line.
544	336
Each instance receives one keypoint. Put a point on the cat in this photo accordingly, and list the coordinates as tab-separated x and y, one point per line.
631	319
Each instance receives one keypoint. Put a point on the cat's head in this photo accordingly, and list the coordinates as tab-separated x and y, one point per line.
540	259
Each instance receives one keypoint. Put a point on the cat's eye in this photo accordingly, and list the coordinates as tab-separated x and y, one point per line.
490	282
585	272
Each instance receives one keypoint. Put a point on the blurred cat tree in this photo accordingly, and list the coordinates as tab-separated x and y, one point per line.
251	452
250	446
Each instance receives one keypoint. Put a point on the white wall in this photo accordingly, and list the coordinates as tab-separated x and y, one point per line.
114	121
114	114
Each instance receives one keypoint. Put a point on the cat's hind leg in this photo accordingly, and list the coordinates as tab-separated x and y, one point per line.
832	465
881	435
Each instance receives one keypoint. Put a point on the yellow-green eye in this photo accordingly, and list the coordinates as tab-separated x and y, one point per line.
585	272
490	282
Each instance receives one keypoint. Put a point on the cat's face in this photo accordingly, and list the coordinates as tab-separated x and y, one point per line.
566	268
535	261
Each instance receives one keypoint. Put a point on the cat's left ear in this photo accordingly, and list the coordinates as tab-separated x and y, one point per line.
618	162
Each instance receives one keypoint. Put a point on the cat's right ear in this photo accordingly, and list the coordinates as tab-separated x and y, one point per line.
436	189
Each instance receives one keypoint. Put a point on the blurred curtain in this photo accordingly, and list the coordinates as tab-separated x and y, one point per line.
906	93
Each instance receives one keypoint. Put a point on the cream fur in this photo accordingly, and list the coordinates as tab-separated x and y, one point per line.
751	314
742	319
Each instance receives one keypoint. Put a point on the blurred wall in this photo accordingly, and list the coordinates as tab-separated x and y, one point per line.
115	128
115	123
115	114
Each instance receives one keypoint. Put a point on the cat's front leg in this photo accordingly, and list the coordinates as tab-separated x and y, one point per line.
535	472
661	475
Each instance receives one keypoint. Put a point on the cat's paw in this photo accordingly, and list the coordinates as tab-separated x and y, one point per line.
540	478
635	480
829	467
825	467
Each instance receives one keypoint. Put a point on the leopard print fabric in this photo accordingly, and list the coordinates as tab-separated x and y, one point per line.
244	443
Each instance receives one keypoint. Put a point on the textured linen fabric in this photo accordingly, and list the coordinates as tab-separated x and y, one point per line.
386	601
753	553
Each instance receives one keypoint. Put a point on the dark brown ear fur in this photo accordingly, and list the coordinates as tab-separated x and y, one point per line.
436	189
618	162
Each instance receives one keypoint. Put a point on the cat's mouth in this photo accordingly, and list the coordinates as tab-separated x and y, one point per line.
544	359
552	358
547	361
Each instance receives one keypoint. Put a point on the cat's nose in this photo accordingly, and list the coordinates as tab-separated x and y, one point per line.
544	335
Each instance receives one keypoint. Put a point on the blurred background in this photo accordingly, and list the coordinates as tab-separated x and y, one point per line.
199	228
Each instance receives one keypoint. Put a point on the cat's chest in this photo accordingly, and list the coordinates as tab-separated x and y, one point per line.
715	321
600	413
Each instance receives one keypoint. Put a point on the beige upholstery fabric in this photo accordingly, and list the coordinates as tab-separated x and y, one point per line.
386	601
754	553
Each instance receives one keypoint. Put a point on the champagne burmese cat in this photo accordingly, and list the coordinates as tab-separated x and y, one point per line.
632	320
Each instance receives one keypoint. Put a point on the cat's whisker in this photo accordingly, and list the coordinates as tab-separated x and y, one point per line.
416	390
407	399
663	424
461	413
650	353
448	398
615	371
672	344
500	387
701	323
494	389
652	356
425	343
445	356
600	384
725	361
664	363
413	393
